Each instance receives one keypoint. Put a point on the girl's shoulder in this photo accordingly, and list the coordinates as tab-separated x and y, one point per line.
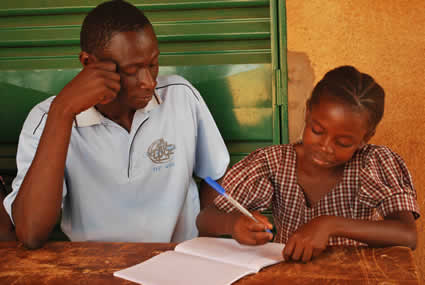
384	180
282	153
372	155
271	157
280	148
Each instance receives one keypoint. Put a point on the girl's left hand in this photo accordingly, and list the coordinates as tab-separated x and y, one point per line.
309	240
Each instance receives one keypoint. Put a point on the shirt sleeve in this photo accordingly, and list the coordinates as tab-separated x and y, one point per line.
212	157
386	183
249	183
27	146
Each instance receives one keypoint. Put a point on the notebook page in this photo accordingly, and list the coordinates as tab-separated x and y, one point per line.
230	251
174	268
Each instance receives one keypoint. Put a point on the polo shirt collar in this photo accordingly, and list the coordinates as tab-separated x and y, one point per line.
92	116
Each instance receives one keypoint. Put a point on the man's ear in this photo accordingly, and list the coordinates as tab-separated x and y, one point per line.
86	58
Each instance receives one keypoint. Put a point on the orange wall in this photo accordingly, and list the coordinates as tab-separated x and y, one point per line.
383	38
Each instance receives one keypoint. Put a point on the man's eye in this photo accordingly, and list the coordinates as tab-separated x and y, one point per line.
153	65
316	131
130	71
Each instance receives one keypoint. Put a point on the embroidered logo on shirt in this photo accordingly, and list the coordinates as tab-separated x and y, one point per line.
160	151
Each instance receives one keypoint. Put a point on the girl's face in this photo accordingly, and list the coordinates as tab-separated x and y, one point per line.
333	132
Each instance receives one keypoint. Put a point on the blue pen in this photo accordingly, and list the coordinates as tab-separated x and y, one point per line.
217	187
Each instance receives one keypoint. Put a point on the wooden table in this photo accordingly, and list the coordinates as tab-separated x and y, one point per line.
94	262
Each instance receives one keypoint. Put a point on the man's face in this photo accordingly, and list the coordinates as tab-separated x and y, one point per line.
136	54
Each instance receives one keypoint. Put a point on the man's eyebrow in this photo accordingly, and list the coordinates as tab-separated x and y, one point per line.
132	64
113	61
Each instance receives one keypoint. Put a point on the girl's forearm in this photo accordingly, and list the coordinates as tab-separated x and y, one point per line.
387	232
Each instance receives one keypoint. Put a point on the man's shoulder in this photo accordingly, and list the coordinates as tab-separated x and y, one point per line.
41	108
37	116
166	80
176	84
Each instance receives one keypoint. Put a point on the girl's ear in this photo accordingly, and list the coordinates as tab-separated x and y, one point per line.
367	137
307	110
307	104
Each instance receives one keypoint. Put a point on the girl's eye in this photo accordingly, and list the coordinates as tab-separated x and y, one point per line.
343	144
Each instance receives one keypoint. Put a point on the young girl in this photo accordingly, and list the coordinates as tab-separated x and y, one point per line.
332	188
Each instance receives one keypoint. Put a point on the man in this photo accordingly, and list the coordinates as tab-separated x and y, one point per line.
117	147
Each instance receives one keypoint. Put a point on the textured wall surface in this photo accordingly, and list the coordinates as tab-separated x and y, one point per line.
383	38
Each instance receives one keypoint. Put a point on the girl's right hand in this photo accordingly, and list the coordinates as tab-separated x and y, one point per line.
247	231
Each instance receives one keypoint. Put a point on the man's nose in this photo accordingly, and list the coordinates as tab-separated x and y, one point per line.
145	78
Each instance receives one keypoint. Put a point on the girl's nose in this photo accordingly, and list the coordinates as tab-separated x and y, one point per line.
326	145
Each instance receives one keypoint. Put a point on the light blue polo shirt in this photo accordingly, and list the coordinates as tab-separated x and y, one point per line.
136	186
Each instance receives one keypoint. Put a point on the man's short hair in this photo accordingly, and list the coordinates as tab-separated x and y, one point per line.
106	20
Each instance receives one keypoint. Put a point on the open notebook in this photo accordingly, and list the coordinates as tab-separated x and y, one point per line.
204	261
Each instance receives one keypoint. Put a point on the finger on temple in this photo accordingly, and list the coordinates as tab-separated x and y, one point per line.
107	65
113	85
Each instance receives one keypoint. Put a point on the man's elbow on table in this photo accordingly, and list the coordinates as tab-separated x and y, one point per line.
31	234
30	240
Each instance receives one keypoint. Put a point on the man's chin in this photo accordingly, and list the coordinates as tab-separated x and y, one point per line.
141	102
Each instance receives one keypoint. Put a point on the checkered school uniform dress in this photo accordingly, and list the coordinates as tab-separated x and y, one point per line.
375	183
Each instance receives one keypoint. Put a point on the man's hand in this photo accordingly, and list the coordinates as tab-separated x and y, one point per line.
97	83
309	240
246	231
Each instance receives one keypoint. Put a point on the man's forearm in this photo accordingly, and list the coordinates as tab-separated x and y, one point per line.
7	231
212	222
37	206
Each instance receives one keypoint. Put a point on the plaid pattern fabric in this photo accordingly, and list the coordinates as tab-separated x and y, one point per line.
375	183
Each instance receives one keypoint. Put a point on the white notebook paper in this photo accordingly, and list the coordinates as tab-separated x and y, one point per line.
204	261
